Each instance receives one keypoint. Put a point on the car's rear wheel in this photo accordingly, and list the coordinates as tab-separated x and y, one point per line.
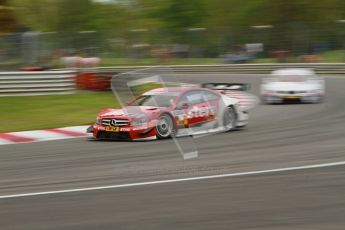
229	118
165	126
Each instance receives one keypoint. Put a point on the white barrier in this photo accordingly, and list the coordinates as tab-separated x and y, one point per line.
63	82
37	83
320	68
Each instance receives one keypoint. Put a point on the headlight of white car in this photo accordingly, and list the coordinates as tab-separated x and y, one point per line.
98	120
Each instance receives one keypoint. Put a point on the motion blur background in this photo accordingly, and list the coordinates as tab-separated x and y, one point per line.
131	32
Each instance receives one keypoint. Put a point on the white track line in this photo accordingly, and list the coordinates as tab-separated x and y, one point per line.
175	180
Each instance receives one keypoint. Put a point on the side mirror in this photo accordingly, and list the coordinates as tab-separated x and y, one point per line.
183	105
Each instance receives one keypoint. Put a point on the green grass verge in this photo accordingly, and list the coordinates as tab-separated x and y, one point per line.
140	89
333	56
42	112
326	57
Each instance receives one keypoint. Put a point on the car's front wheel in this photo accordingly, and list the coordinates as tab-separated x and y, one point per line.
165	126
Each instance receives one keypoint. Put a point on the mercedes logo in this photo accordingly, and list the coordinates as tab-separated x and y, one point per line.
113	122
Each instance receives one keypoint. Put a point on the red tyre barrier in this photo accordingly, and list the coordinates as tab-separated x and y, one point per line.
311	58
93	81
81	79
32	68
102	83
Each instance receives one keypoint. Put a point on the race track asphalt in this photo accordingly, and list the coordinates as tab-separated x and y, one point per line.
278	136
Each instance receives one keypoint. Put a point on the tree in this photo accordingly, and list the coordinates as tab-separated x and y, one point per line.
175	17
38	14
9	23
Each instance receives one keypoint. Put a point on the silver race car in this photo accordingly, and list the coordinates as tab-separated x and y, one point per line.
292	84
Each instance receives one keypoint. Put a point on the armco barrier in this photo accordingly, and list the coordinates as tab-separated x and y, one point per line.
37	83
64	82
320	68
99	79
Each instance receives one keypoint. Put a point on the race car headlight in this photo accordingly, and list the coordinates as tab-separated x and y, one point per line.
98	120
137	121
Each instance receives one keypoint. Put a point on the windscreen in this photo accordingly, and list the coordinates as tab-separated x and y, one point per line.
292	78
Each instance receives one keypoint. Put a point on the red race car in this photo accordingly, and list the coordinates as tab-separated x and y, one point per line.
167	112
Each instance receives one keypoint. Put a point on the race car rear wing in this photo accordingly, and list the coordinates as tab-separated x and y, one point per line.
246	100
226	86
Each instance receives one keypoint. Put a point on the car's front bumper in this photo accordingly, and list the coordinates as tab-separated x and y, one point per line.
123	133
280	98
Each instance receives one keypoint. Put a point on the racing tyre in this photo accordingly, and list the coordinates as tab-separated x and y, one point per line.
229	118
165	127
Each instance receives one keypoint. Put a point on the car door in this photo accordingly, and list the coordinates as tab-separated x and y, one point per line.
195	108
212	103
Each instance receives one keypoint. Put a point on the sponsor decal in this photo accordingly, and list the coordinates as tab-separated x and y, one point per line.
140	128
112	129
199	112
195	112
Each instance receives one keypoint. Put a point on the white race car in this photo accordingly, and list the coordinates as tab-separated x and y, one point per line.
292	84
